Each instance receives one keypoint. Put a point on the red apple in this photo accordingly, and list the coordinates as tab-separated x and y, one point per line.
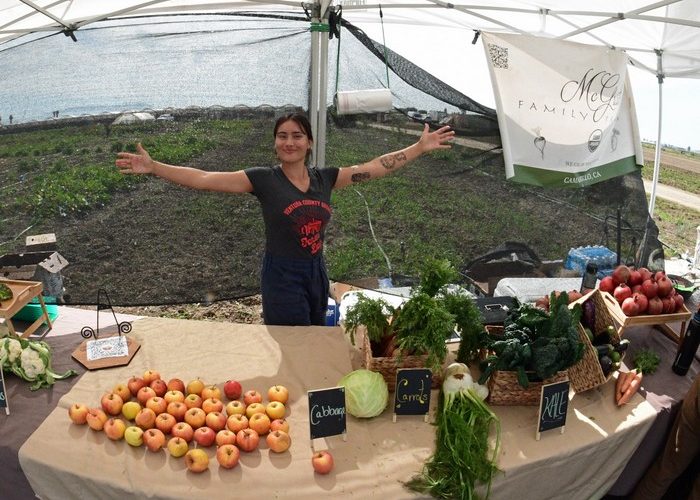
78	413
150	375
621	274
233	389
278	441
195	417
247	439
622	291
111	403
154	439
322	462
211	392
177	410
216	420
197	460
227	456
144	394
225	436
114	428
158	405
176	384
165	422
252	396
606	285
279	424
204	436
237	422
134	384
183	430
160	386
145	418
123	391
96	419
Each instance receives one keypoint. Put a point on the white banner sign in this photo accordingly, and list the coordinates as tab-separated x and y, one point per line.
565	110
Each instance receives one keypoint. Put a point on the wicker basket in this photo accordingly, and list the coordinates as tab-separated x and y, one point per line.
587	373
388	366
505	390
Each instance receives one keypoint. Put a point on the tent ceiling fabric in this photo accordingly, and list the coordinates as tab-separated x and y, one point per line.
640	27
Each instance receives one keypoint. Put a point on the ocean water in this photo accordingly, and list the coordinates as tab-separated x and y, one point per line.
180	62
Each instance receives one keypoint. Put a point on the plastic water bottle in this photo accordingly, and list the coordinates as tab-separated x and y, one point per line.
689	346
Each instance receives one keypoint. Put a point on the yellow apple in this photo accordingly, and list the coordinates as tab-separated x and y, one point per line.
114	428
157	404
196	417
254	408
278	441
96	419
197	460
280	424
227	456
193	401
278	393
211	392
123	391
212	404
150	375
260	423
174	395
145	418
177	446
195	387
225	436
112	403
78	413
237	422
130	410
235	407
134	435
275	410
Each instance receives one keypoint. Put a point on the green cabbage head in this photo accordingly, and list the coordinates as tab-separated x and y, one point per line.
366	393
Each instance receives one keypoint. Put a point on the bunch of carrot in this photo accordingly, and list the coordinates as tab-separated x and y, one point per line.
627	384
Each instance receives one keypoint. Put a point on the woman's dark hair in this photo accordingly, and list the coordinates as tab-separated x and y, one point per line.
297	118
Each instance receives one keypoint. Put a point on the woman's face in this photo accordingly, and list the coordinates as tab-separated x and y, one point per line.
291	143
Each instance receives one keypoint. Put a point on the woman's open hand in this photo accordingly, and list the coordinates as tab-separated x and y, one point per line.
435	140
135	163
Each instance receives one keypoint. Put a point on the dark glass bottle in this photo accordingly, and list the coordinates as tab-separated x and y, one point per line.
590	278
688	347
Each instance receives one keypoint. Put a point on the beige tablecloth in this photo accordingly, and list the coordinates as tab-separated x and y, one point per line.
62	460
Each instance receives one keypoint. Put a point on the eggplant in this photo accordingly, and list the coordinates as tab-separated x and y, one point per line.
588	316
602	338
622	345
606	364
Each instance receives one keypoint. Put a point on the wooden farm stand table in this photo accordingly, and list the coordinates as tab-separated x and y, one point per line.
22	294
62	460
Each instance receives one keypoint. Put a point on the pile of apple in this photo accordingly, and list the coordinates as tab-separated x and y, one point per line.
639	291
145	410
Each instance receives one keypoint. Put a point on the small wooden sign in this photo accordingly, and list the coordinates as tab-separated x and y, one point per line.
81	356
4	403
326	412
412	394
554	403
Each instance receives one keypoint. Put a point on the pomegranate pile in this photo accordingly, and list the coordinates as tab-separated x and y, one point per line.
641	291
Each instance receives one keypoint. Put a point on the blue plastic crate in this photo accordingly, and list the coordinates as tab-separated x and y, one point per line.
603	257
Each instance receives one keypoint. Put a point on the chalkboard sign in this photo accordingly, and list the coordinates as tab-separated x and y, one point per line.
3	394
327	412
412	395
554	403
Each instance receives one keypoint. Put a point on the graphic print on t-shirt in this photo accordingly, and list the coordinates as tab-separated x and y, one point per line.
309	216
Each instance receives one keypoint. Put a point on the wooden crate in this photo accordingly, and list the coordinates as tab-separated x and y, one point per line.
660	321
22	294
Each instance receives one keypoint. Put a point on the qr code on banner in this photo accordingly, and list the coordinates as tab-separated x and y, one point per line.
499	56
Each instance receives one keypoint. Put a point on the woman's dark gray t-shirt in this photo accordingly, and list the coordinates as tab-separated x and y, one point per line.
295	221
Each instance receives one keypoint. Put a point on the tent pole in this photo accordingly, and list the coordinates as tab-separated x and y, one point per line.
322	97
657	151
313	104
319	79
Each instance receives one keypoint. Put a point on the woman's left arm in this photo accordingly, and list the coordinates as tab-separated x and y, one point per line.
385	164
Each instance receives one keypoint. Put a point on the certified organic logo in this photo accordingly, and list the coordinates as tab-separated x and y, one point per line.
594	140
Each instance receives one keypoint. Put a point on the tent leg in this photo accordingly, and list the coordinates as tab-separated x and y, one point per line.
657	151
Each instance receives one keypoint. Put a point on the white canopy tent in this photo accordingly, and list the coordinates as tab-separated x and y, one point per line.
661	38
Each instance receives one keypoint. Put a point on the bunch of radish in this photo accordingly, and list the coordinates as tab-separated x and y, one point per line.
640	291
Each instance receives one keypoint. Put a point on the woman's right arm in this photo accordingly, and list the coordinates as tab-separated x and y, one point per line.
142	163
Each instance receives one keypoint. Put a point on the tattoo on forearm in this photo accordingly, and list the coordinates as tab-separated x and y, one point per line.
391	161
359	177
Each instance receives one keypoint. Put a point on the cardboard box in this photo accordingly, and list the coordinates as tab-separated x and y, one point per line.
36	266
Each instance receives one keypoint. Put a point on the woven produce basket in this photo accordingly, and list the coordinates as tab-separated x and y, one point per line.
505	390
587	373
388	366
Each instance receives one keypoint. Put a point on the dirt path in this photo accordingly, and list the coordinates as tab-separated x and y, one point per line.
673	160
